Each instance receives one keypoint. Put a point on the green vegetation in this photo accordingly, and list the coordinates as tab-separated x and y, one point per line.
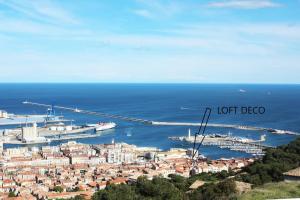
11	194
76	189
113	192
210	177
175	188
223	190
77	197
274	163
158	188
273	191
58	189
217	186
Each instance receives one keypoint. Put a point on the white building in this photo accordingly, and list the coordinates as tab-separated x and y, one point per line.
118	156
16	152
50	149
3	114
29	133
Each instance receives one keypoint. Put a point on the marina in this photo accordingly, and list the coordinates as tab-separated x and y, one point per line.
254	147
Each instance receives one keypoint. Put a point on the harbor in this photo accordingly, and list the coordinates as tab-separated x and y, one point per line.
42	129
50	128
161	123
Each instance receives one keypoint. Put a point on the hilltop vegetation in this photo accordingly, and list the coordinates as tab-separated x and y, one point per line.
273	191
272	166
161	188
218	186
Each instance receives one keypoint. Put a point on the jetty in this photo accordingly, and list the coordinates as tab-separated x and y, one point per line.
160	123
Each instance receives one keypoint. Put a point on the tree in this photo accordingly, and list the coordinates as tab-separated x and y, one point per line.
11	194
271	167
223	190
78	197
158	188
115	192
58	189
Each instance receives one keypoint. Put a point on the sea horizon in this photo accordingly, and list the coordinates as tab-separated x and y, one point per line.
152	83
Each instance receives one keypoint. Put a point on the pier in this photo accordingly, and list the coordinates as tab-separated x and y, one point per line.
158	123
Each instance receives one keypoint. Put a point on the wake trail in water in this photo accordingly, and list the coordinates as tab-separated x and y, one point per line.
188	108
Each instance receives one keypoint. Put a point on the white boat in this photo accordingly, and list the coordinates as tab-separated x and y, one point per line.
101	126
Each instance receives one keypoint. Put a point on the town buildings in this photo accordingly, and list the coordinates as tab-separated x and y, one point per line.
80	169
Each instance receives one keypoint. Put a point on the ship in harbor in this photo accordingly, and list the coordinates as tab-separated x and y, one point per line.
101	126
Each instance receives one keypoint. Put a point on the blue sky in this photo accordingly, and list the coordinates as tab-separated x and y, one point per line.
191	41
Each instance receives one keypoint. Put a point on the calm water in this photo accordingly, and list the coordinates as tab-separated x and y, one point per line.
163	102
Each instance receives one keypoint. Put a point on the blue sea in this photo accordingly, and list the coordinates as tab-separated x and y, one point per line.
164	102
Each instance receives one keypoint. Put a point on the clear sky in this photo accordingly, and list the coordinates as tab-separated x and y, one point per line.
202	41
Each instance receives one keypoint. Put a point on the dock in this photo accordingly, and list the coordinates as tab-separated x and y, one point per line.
27	119
52	139
47	135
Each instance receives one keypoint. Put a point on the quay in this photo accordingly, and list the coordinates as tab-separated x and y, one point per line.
27	119
56	138
54	132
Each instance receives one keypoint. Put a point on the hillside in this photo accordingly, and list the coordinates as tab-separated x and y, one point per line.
273	191
265	175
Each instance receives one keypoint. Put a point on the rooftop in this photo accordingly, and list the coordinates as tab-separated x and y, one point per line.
293	172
